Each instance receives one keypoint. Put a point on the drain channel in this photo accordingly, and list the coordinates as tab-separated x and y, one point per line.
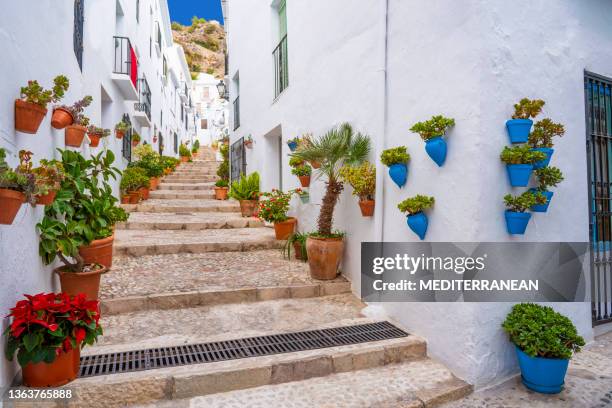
148	359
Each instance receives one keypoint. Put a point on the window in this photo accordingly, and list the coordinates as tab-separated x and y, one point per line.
236	103
138	10
126	150
77	37
204	124
281	66
175	143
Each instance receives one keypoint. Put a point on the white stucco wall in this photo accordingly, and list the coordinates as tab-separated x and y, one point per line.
471	61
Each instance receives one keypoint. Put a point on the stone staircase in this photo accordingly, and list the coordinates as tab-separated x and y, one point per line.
191	270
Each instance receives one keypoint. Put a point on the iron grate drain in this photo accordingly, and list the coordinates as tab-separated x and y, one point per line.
149	359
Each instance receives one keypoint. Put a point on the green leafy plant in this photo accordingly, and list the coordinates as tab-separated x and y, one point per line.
337	147
169	163
122	126
296	237
196	145
303	170
223	169
527	108
136	137
221	183
362	178
548	177
77	108
295	162
149	160
247	188
184	151
416	204
520	155
436	126
543	133
94	130
36	94
395	155
21	179
275	206
134	178
48	176
523	202
540	331
296	139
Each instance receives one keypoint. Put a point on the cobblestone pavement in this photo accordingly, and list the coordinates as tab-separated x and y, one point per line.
588	384
208	271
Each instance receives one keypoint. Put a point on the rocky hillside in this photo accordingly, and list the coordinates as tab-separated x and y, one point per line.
204	45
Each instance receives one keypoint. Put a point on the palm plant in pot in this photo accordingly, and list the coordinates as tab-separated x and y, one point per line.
547	177
520	125
31	108
416	218
47	332
95	134
274	209
396	159
75	133
516	206
339	146
363	180
246	191
519	163
16	187
78	228
48	179
541	139
545	341
432	131
302	170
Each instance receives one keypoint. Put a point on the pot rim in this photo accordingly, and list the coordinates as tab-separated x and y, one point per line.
63	109
79	127
221	188
30	105
289	220
9	193
100	241
59	270
326	238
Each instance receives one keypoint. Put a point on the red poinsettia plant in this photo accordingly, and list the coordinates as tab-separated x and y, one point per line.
46	324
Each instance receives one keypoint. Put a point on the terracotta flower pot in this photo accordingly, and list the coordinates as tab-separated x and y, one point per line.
10	203
221	193
135	143
94	139
28	116
282	230
367	207
297	247
125	199
324	256
154	182
74	135
82	282
315	164
184	159
62	370
247	207
99	251
304	181
134	197
144	193
119	134
46	199
61	118
248	145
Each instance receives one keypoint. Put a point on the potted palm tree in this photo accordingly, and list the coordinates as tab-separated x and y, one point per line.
246	191
396	159
363	180
337	147
31	109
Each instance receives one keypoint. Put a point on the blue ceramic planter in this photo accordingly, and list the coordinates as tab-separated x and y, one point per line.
418	223
399	173
518	130
542	207
516	222
543	163
519	174
305	198
436	149
545	375
292	146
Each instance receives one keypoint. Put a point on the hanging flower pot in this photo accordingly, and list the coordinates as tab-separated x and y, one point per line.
74	135
86	282
399	173
94	139
119	134
99	251
418	223
62	370
432	132
305	197
61	118
436	149
248	144
519	163
305	181
292	145
543	163
28	116
518	130
283	229
10	203
542	207
315	164
516	222
46	199
367	207
396	159
519	174
416	218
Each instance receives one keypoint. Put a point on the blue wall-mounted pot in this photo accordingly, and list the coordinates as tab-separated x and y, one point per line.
519	174
516	222
436	149
292	146
518	130
418	223
399	173
542	207
305	198
545	375
543	163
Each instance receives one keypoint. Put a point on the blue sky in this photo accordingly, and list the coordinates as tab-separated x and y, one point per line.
182	10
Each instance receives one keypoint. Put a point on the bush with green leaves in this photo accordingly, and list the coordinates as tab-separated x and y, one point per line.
221	183
184	151
295	162
301	171
20	179
247	188
548	177
395	155
520	155
134	178
77	108
527	108
540	331
168	162
36	94
136	137
523	202
122	126
49	176
543	133
196	145
223	169
416	204
362	178
436	126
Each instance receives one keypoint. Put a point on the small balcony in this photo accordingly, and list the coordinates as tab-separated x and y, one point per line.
125	68
142	108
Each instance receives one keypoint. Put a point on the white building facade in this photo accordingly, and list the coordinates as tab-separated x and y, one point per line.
304	67
120	52
212	111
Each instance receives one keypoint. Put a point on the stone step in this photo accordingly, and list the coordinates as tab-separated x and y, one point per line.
187	280
194	173
166	185
194	221
184	206
190	179
183	195
155	242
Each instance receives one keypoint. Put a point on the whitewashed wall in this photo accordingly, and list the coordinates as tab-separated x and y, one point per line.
470	61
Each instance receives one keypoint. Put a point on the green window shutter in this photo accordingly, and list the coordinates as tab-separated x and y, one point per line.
282	18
